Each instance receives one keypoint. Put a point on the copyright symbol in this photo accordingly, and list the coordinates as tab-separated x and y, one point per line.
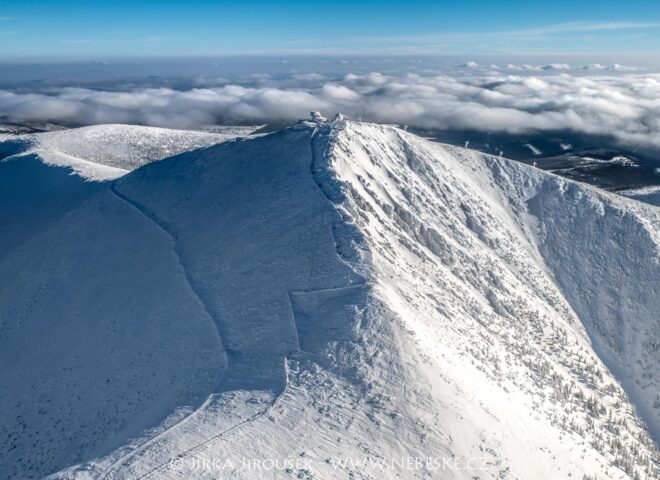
177	463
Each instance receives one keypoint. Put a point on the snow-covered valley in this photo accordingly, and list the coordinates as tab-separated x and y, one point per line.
340	297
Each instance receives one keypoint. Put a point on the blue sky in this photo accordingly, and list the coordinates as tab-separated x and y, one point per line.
97	28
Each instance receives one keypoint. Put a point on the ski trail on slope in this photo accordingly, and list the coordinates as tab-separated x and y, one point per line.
179	458
119	462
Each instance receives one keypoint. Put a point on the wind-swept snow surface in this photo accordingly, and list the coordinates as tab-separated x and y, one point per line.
334	300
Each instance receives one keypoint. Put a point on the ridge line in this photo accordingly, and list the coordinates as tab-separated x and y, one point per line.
278	398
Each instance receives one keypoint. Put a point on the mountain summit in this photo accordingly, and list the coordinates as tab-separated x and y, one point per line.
343	300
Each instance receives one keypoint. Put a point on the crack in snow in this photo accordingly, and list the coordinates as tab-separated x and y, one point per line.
118	463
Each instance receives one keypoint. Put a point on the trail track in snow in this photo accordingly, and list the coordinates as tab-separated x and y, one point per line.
199	447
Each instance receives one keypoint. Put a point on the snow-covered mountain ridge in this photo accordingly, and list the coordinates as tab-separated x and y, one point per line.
106	152
347	289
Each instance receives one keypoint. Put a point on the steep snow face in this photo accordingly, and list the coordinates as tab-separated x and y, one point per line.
497	268
605	255
345	298
105	152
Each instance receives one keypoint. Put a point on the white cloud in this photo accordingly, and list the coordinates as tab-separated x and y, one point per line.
538	68
625	107
556	66
623	68
339	93
594	66
470	64
616	67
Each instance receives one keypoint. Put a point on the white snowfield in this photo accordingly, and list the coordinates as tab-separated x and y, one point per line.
105	152
646	194
334	300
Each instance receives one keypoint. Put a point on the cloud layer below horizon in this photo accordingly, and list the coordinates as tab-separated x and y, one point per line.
624	107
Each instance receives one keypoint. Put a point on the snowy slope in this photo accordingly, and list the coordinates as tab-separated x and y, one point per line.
649	195
78	254
105	152
44	175
101	338
346	298
503	234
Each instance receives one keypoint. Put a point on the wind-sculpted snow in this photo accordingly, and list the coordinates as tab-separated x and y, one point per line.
346	299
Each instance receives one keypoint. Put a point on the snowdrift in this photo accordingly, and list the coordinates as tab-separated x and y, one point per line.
345	298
